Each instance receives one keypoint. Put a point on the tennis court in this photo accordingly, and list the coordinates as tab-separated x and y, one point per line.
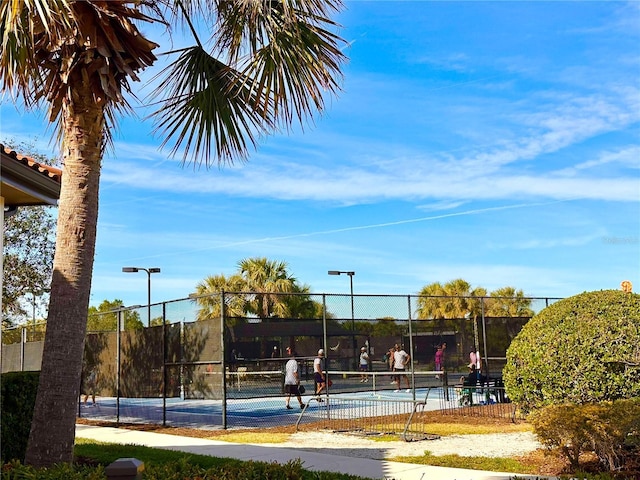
259	412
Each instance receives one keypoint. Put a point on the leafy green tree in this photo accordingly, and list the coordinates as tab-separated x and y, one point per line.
104	318
386	326
578	350
29	243
270	64
364	328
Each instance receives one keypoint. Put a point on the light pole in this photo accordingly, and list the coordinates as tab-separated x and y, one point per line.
149	272
353	325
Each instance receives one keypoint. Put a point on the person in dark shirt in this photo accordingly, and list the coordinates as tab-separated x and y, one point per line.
475	377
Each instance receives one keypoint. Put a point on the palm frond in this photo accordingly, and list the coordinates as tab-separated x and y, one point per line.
249	24
206	101
22	22
59	45
292	57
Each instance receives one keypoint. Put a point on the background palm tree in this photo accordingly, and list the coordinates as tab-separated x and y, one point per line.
431	304
454	299
301	303
447	304
509	302
267	280
209	299
271	64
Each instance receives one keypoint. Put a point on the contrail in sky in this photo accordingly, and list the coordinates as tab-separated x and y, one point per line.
359	227
389	224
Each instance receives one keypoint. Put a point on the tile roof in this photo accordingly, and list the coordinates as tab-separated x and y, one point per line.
52	172
24	181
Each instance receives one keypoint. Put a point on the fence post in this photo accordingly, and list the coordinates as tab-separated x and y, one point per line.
119	328
411	364
165	374
484	340
445	384
223	360
182	340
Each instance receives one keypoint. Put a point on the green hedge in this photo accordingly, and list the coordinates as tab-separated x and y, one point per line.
18	397
582	349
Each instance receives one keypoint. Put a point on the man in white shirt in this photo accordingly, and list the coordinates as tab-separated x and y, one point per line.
318	373
292	379
364	365
400	361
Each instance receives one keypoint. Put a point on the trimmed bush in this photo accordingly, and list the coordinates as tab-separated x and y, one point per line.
18	394
609	429
582	349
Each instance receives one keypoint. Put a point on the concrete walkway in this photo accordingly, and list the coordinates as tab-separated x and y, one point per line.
314	461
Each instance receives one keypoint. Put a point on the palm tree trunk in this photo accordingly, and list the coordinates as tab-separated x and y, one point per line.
53	427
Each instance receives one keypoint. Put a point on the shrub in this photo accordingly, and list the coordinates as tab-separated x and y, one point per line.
62	471
178	470
609	429
562	431
18	398
582	349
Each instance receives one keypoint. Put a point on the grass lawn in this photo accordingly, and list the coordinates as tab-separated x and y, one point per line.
167	464
443	425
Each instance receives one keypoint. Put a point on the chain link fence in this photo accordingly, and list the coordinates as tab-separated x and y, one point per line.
186	363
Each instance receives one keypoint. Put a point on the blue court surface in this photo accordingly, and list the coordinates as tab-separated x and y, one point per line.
259	412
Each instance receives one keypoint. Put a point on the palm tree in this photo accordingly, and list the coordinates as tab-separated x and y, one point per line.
208	297
267	280
430	304
269	64
454	300
509	302
301	303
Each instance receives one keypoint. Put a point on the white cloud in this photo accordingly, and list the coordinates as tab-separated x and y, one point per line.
628	157
351	170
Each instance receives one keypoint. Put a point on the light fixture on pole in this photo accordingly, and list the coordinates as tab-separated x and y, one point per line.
149	272
353	326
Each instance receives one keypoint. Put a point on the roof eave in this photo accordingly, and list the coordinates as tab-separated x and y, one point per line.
37	184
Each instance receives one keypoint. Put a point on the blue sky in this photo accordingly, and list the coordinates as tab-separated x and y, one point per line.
492	141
